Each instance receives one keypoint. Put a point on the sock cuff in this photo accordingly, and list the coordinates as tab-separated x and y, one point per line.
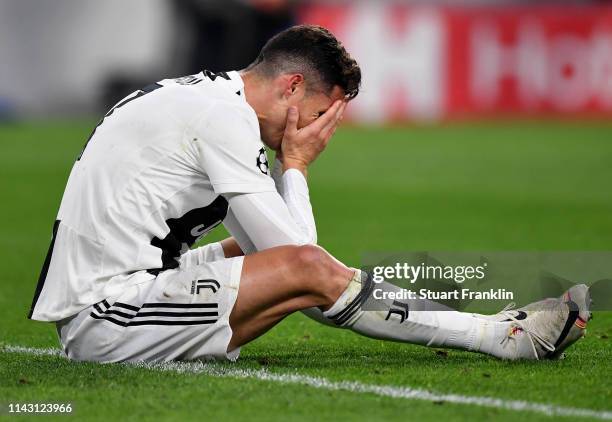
350	301
352	289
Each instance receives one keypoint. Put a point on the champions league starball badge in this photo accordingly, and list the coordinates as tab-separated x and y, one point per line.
262	161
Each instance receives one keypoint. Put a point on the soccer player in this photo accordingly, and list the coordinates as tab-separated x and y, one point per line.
172	161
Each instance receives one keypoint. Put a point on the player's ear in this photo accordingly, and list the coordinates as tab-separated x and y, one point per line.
296	85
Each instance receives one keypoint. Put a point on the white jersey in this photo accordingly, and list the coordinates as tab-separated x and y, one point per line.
149	183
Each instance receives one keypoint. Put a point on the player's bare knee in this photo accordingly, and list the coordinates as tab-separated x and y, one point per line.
309	256
314	262
324	275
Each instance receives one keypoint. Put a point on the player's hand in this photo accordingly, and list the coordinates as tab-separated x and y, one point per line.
300	147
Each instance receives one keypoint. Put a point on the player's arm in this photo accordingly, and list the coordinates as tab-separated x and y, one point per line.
289	223
227	146
285	217
293	190
263	220
259	217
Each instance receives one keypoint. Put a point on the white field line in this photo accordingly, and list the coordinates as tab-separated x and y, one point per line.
223	371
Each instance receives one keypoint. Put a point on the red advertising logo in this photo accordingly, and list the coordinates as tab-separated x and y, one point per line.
430	63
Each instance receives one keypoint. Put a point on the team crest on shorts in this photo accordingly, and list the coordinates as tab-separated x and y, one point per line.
198	285
262	161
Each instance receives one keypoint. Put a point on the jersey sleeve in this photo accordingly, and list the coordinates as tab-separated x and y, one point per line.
231	151
266	221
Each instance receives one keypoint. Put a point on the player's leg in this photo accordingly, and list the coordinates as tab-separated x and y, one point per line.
279	281
545	332
204	309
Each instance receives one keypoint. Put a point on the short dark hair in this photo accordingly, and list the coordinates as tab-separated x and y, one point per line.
314	52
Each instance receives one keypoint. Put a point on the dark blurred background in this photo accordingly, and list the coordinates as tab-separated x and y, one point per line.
423	61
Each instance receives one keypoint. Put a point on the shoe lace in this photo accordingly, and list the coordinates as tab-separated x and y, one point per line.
532	334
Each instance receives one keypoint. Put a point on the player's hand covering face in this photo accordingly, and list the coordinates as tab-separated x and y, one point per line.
302	144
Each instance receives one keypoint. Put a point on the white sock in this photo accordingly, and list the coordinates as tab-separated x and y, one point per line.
413	321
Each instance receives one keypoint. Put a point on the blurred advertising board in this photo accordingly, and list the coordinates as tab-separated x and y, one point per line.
424	63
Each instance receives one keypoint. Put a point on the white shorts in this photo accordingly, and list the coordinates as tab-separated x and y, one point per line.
182	314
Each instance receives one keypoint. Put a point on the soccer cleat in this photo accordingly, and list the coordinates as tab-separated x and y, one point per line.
544	329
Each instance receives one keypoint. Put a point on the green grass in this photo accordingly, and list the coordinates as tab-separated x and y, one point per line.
495	186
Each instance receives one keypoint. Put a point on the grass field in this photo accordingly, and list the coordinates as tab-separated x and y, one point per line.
495	186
